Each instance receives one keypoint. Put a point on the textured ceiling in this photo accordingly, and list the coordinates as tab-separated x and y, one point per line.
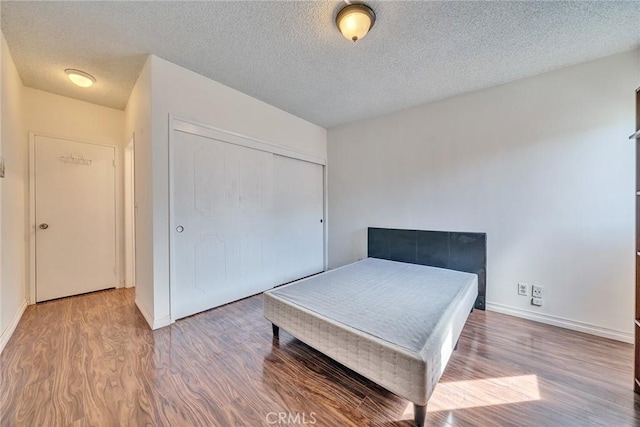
289	54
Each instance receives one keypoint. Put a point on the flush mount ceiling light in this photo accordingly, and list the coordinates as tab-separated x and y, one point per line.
355	21
80	78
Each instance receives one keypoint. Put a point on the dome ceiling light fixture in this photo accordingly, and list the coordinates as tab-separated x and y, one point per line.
80	78
355	20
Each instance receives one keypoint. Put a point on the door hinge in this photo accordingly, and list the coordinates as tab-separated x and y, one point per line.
114	163
115	270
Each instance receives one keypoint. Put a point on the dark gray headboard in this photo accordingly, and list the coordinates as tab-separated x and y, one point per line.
445	249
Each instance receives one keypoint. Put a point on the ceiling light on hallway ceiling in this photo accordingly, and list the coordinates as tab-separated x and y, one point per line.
355	21
80	78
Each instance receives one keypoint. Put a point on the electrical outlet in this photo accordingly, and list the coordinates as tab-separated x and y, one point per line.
536	291
536	301
523	289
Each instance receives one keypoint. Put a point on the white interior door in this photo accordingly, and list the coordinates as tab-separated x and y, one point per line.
299	209
243	220
75	218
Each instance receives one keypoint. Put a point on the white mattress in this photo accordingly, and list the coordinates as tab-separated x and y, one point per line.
394	323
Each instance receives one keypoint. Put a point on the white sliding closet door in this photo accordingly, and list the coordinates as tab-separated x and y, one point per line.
299	205
243	220
222	203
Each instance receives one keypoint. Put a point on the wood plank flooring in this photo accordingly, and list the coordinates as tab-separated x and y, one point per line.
91	360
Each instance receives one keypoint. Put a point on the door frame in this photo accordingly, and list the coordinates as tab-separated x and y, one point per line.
178	124
32	207
129	210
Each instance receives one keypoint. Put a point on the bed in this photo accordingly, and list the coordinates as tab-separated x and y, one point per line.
394	317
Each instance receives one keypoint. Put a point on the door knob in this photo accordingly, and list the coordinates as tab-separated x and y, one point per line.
44	226
179	229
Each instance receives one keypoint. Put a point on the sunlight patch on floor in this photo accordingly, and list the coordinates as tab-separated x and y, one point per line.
485	392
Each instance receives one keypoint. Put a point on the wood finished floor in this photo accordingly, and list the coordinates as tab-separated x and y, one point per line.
91	360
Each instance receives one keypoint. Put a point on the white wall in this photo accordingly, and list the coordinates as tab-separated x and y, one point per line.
543	165
188	95
138	123
3	337
59	116
13	202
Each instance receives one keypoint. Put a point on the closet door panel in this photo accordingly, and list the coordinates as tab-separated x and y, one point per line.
299	208
243	220
221	210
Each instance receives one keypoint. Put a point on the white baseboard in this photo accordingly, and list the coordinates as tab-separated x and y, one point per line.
151	321
4	338
145	313
562	322
162	322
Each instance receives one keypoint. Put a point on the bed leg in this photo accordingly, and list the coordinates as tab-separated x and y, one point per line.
276	330
419	414
456	346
